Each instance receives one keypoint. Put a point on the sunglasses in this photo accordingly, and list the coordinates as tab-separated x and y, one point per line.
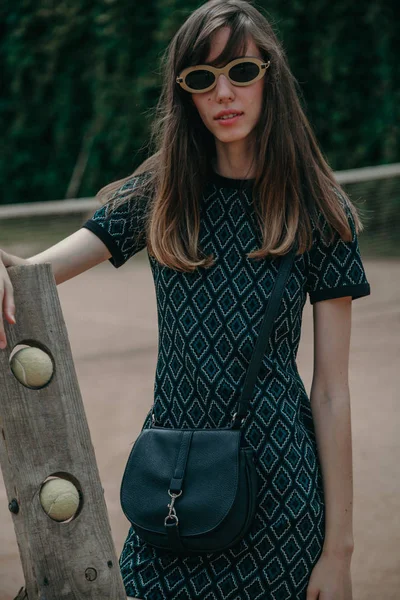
241	71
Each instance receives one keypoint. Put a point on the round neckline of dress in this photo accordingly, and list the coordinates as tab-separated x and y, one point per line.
230	182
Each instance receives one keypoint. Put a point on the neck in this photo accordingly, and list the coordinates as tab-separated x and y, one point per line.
234	159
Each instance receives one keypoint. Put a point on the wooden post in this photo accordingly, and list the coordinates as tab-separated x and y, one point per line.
44	432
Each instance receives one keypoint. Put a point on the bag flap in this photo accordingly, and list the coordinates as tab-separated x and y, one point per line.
209	487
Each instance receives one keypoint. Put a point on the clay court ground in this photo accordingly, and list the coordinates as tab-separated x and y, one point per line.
112	323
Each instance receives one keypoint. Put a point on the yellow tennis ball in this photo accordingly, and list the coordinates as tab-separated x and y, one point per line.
32	367
59	498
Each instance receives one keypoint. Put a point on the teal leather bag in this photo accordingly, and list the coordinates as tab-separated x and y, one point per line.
194	491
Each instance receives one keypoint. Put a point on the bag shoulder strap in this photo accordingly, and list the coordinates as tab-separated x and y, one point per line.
263	336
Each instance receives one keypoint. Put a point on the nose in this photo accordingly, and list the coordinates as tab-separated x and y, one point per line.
224	89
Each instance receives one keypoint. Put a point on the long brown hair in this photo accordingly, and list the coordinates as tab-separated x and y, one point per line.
293	182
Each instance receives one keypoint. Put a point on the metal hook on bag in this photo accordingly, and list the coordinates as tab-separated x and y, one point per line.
172	512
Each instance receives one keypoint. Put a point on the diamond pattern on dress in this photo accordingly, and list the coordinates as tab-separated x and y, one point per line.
208	324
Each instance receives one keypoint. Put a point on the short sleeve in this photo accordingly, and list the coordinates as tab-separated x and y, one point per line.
336	269
123	228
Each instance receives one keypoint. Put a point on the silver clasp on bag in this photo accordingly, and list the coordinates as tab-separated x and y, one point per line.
172	511
234	419
152	414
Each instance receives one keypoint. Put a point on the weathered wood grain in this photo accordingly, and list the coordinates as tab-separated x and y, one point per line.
45	432
21	595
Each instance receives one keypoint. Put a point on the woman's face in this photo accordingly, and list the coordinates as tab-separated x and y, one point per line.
246	100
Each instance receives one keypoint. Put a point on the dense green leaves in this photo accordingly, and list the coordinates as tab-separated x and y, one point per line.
80	79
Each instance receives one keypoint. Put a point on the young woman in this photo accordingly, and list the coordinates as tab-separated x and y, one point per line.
236	180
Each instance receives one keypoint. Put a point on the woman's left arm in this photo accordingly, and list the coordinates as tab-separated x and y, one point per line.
330	404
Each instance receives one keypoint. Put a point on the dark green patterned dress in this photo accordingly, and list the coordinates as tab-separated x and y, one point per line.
208	322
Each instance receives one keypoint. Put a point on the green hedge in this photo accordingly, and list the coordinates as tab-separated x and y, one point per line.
80	79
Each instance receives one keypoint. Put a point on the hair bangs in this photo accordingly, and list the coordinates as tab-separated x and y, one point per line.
236	45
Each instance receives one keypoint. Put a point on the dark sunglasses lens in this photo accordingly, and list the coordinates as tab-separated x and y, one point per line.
244	72
199	80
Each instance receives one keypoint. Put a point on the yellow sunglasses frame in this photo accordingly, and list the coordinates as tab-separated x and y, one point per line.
225	70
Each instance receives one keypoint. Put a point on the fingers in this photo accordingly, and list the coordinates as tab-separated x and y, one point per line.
6	303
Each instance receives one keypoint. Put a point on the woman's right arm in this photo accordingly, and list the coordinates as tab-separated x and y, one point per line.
71	256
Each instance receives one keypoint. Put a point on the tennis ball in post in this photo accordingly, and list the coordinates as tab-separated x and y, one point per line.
32	367
59	498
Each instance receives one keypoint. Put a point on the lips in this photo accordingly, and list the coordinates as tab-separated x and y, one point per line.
227	113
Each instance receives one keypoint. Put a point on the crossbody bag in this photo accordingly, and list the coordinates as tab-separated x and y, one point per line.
193	491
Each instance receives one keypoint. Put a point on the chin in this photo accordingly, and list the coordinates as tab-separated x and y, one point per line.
230	136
